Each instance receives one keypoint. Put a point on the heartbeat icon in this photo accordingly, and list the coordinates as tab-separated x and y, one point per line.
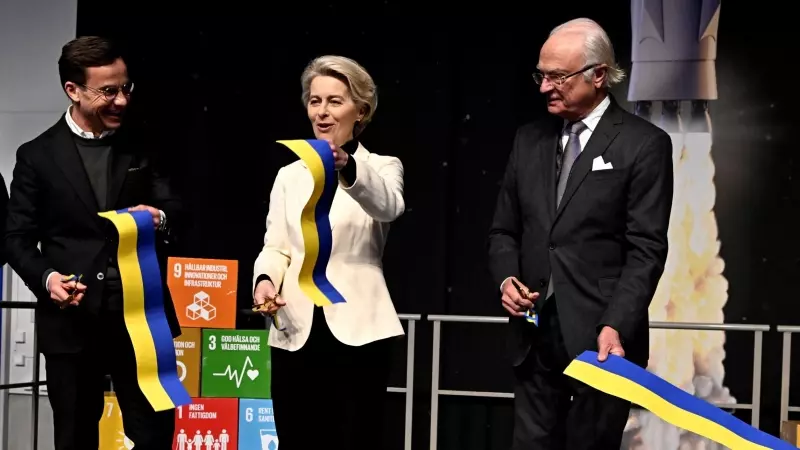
238	376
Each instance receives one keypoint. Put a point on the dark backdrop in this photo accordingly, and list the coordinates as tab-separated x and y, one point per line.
217	85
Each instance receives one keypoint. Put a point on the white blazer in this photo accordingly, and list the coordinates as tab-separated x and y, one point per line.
359	217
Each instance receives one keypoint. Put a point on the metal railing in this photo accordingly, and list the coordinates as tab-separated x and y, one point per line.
436	391
786	370
408	390
34	384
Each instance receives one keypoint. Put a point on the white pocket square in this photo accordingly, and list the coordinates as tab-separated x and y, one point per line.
599	164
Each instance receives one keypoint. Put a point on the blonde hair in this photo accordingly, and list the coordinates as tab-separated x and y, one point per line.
358	81
597	48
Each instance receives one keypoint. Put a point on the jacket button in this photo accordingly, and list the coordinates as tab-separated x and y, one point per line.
542	282
552	246
100	275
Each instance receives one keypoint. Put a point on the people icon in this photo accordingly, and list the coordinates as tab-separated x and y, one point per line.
216	444
182	439
209	440
197	441
224	439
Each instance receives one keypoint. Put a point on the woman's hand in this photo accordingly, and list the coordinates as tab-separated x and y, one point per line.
266	300
340	157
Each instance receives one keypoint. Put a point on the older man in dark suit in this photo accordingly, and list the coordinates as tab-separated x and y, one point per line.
580	237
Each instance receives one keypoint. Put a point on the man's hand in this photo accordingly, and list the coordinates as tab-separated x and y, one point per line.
265	295
63	292
153	212
608	342
340	157
516	302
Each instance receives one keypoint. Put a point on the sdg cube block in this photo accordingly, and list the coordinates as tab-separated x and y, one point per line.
257	425
112	435
207	423
236	364
187	355
204	292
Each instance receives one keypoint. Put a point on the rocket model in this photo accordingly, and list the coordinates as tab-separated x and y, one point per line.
674	50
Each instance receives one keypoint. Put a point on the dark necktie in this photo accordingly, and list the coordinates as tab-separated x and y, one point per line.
568	157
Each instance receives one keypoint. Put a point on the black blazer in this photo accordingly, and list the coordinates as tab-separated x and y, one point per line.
52	203
606	244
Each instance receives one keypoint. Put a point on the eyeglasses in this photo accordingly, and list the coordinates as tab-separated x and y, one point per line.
111	92
558	80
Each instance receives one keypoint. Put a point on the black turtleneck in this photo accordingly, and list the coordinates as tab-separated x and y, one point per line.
348	172
96	157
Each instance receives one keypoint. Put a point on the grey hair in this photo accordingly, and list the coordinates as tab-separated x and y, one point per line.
358	81
597	49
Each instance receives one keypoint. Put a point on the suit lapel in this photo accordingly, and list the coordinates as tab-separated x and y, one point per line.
601	138
550	151
67	158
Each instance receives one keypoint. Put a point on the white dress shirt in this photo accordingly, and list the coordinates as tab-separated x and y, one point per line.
591	120
80	132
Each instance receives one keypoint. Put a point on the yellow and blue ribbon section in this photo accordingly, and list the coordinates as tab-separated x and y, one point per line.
143	309
532	317
73	277
619	377
315	222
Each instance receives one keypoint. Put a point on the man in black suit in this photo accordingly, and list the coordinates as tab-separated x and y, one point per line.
581	218
83	165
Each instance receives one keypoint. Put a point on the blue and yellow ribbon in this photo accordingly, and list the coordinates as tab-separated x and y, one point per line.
621	378
143	309
314	221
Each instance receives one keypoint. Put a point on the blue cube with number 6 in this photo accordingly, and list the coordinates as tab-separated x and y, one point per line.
257	425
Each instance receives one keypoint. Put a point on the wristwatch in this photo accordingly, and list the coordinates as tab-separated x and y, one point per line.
162	223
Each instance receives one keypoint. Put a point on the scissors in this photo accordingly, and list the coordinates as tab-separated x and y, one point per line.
263	308
67	279
530	315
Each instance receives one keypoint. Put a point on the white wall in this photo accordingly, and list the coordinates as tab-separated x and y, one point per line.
31	35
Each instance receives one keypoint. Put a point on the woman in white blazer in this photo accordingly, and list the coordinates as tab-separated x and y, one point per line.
330	365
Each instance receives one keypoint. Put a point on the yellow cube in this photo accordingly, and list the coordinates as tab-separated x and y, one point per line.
112	436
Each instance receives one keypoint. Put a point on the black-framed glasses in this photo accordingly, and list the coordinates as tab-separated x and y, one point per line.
111	92
558	80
